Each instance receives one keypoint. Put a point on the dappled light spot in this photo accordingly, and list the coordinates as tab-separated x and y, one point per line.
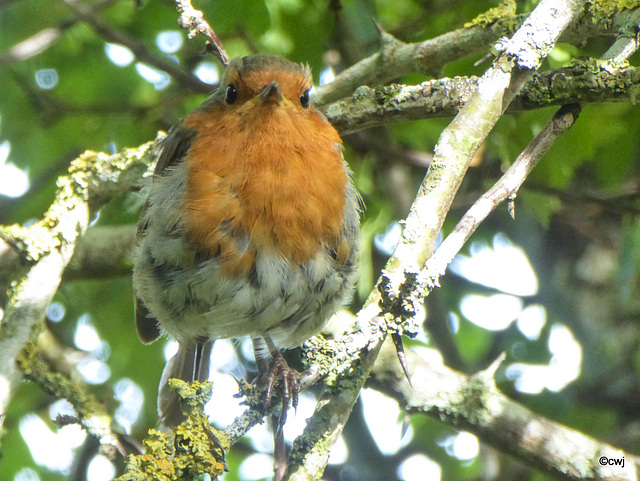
339	452
47	78
55	311
494	313
53	450
94	371
327	75
564	366
207	72
531	321
87	338
464	446
256	466
61	407
26	474
386	242
131	399
14	182
100	469
223	407
503	266
383	418
159	79
418	468
169	41
119	55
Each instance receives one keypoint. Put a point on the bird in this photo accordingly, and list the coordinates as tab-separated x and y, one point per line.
251	227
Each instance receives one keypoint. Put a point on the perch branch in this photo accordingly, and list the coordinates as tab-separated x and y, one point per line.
584	82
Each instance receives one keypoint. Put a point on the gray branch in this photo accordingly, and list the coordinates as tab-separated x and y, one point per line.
474	404
46	248
585	82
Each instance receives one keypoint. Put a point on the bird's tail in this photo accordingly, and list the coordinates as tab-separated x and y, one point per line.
191	363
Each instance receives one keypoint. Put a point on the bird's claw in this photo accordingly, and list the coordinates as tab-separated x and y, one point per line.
280	371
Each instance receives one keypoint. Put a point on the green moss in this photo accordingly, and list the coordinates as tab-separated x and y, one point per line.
595	66
477	400
402	311
361	92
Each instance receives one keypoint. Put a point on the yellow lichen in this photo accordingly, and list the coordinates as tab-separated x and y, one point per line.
195	448
504	11
603	10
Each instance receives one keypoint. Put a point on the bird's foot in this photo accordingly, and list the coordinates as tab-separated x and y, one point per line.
280	377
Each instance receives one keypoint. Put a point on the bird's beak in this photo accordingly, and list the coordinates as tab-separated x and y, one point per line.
271	93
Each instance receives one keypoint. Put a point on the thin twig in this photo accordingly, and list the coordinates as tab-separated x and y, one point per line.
504	188
45	38
139	49
92	415
193	21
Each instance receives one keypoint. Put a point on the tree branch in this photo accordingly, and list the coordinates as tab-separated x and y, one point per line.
395	58
47	246
193	20
513	178
474	404
505	188
92	415
586	81
453	154
42	40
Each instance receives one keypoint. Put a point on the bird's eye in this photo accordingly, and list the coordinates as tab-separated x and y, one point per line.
232	94
304	99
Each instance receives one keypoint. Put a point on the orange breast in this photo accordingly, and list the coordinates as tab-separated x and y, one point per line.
263	177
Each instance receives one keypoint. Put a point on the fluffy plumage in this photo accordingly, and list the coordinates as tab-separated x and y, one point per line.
252	223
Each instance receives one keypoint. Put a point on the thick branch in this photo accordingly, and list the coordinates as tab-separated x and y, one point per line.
48	245
102	252
474	404
396	58
585	82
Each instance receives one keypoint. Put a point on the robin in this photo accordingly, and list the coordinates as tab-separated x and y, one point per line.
251	226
